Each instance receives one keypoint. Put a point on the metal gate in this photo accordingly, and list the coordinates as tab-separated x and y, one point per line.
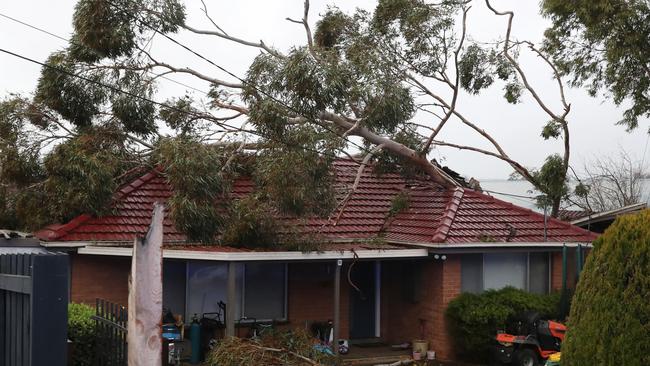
110	326
33	309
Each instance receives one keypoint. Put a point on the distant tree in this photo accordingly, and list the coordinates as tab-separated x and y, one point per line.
356	85
610	182
605	45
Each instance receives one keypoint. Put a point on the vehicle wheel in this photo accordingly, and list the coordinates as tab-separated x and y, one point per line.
525	357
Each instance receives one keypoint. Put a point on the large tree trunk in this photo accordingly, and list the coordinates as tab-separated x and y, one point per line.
145	295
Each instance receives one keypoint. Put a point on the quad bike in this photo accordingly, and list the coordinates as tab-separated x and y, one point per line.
533	340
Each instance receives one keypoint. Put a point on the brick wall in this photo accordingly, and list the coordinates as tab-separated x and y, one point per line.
556	269
424	316
95	276
311	295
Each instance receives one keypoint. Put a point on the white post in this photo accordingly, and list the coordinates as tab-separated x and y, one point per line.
231	297
145	295
337	305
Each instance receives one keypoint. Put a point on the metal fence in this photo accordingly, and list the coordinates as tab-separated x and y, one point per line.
33	309
111	324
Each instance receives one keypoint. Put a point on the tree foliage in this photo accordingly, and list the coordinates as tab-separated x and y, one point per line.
604	45
609	321
360	84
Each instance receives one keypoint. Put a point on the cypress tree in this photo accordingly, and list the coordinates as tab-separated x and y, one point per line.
609	323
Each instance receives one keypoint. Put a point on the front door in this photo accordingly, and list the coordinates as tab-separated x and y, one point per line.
363	300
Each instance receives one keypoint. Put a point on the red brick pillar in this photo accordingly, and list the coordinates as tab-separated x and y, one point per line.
448	287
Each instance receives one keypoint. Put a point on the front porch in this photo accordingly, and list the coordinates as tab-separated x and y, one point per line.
383	297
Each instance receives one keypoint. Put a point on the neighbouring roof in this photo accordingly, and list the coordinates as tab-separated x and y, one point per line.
435	214
569	215
16	242
600	221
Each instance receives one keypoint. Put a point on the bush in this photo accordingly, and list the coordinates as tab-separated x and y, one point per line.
475	318
81	331
609	323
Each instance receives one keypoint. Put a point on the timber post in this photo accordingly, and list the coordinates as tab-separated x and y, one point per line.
145	295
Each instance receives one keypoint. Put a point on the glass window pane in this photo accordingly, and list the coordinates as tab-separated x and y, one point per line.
264	290
504	269
539	273
174	286
471	276
207	285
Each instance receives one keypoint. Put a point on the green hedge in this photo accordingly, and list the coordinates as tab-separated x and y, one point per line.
475	318
81	331
609	323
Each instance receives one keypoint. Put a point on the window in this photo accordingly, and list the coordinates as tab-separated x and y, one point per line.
471	276
174	272
261	289
504	269
264	291
526	271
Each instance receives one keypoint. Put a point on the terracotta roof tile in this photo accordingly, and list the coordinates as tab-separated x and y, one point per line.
434	214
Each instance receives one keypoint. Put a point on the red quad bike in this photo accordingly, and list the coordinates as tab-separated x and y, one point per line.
533	340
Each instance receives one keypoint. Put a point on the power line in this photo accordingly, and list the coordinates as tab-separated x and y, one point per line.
510	194
190	113
362	148
243	81
80	45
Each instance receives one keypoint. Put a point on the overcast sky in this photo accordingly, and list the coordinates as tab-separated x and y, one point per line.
517	128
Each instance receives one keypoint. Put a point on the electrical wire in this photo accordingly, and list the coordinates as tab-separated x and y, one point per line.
243	81
510	194
362	148
45	31
118	90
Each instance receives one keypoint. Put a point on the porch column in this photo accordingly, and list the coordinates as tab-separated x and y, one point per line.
230	301
337	304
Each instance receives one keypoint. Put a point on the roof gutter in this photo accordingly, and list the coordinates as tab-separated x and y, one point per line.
264	256
499	245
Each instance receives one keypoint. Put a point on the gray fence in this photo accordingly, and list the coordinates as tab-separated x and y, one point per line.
33	309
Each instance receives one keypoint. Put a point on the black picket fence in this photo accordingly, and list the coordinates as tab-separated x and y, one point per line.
110	329
33	309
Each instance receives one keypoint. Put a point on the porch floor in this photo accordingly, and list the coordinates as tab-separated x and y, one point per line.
374	355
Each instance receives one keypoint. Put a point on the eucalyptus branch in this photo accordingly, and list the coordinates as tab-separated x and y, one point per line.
560	119
456	86
518	167
305	24
515	64
260	44
205	11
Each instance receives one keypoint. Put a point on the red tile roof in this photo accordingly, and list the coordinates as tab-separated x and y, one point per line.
435	214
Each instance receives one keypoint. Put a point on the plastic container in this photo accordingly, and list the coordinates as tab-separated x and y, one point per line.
431	355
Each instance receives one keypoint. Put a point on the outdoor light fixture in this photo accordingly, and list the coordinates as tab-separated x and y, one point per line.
436	256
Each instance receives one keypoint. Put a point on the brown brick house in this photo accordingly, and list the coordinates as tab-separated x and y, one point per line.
447	241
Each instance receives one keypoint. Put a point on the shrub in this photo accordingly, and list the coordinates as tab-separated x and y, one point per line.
609	323
81	331
475	318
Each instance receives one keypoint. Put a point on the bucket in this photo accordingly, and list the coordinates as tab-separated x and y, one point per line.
421	346
431	355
